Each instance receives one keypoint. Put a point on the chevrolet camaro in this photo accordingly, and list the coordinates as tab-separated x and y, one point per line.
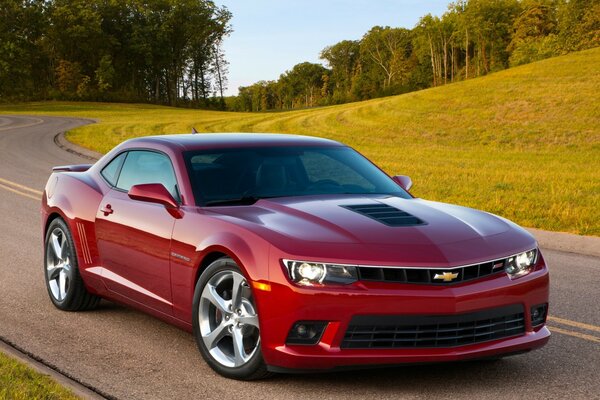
289	253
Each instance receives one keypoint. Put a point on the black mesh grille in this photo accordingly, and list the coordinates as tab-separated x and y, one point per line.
388	332
385	214
447	276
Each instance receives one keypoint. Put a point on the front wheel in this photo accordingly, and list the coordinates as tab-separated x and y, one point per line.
225	322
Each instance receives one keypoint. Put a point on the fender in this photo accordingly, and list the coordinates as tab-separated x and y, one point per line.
76	200
237	248
188	256
63	187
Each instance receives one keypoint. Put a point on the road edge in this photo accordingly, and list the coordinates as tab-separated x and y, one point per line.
567	242
561	241
78	388
62	142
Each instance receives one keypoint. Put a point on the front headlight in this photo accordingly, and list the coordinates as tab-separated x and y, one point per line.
520	264
310	273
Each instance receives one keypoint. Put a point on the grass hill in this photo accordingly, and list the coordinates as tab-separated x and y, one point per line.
523	143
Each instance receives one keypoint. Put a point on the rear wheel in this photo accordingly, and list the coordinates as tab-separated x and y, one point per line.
225	322
65	286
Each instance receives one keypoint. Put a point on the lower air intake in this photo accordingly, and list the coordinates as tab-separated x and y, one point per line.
423	331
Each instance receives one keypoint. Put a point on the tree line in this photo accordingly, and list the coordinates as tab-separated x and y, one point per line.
472	38
157	51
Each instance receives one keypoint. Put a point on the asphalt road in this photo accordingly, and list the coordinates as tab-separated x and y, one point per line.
129	355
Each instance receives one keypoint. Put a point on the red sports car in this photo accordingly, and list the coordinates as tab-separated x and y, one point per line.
284	253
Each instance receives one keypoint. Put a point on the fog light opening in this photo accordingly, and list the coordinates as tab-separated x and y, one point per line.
538	314
306	332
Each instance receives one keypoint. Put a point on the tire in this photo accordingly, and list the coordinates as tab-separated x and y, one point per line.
228	337
61	271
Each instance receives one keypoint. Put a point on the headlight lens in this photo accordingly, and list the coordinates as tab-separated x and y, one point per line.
520	264
309	273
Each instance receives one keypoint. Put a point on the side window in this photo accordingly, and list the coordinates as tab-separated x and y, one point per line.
111	171
147	167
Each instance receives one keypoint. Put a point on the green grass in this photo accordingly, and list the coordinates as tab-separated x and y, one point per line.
18	381
523	143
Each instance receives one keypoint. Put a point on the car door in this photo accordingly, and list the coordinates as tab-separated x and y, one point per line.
134	237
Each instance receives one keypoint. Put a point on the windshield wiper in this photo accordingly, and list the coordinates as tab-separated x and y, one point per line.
244	200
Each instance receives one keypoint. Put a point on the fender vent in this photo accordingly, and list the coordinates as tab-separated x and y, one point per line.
87	258
385	214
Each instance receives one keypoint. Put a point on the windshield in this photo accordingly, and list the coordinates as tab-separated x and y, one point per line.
244	175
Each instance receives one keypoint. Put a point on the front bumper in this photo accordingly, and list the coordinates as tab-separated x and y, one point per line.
287	304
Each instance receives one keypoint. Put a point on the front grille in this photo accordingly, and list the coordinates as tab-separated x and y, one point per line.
388	215
434	276
422	331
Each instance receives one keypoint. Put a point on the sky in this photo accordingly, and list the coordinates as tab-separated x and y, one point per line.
271	36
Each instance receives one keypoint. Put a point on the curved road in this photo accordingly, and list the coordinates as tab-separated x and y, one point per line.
127	354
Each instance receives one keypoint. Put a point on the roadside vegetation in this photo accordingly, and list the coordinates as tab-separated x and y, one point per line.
523	143
471	39
170	52
147	51
19	382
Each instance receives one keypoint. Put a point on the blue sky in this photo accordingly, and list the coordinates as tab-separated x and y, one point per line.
271	36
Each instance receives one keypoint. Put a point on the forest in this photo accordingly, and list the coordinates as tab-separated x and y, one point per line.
149	51
472	38
171	52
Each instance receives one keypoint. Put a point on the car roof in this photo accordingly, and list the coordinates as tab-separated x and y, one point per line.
228	140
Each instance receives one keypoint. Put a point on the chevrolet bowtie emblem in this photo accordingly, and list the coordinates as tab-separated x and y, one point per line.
446	276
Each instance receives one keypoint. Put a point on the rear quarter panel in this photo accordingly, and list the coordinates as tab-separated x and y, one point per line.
75	197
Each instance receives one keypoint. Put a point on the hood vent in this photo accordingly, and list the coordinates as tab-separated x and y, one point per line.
385	214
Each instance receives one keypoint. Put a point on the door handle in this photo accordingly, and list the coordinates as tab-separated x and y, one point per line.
107	209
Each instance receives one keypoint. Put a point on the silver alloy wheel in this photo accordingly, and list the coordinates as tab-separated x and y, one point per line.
228	320
58	264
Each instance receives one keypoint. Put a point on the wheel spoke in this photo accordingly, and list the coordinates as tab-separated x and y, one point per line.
54	288
236	295
62	284
213	338
56	246
54	270
210	293
251	320
238	347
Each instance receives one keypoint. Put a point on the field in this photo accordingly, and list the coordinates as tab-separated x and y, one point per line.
523	143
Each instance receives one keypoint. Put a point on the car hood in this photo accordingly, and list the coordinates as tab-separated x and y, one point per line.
447	234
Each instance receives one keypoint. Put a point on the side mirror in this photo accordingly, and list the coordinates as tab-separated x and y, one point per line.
403	181
153	193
